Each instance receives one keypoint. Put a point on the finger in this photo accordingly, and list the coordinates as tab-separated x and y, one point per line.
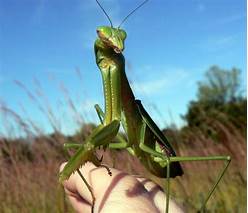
158	195
75	184
78	203
117	193
76	200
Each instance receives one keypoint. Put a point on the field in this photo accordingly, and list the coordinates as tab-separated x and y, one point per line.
29	169
216	125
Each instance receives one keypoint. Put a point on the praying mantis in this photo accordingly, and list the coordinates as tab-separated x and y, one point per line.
144	139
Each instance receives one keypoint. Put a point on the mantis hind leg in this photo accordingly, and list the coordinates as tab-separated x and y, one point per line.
226	159
168	160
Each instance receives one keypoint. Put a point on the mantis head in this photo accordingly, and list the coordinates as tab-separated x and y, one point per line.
112	37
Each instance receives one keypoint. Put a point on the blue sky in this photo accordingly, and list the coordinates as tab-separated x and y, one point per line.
170	44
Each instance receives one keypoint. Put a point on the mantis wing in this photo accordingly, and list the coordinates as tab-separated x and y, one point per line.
175	167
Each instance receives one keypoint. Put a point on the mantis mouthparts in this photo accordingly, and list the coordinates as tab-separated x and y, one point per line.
117	50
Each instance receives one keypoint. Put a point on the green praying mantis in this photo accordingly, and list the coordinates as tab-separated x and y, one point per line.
144	138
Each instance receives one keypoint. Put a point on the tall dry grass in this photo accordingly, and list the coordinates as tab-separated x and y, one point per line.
29	165
191	189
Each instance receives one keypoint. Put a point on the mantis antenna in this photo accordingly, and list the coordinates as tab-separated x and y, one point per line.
105	12
132	12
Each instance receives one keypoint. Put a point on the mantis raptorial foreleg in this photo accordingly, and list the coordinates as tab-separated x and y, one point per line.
76	146
99	137
121	141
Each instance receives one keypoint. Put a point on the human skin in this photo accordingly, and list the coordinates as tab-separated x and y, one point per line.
117	193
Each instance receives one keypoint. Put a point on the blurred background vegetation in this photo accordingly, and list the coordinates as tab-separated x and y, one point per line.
215	125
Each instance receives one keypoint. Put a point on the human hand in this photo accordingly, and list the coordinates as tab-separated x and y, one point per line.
117	193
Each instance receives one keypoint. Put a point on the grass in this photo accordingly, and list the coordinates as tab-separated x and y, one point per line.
29	172
190	189
29	166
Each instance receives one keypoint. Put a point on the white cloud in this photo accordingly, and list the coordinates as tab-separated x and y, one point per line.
166	80
149	87
218	43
